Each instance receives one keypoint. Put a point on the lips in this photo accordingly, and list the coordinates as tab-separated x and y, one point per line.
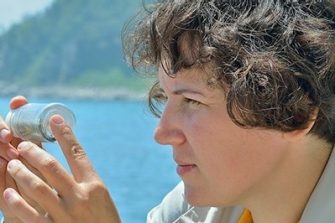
185	168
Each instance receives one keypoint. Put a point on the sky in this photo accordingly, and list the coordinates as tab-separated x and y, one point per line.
12	11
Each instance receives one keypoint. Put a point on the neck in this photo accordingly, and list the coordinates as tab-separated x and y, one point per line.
283	196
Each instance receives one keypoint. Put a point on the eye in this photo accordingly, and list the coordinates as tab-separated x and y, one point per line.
192	101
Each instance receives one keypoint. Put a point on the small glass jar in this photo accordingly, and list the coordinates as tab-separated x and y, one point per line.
31	121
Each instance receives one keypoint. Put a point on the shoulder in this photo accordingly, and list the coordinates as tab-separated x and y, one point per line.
175	209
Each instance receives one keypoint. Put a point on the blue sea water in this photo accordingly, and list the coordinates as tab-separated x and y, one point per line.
118	138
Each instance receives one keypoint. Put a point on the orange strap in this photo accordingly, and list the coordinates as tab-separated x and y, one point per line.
245	217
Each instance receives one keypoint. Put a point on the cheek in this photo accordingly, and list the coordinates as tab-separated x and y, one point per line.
242	151
234	159
220	150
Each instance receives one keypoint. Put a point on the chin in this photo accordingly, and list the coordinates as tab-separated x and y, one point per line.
197	199
201	199
197	203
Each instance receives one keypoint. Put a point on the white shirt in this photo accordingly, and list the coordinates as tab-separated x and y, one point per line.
320	207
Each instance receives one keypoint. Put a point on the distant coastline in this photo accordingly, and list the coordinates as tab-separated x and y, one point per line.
68	92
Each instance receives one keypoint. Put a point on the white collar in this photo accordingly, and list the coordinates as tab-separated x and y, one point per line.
321	205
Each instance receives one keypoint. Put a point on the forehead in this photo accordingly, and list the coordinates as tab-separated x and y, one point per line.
200	77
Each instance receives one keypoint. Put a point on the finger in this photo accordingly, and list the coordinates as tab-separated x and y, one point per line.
54	173
22	209
17	101
31	168
21	190
9	182
8	152
5	182
37	189
3	185
5	135
3	165
75	155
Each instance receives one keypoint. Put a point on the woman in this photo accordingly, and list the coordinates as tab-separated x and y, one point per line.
248	93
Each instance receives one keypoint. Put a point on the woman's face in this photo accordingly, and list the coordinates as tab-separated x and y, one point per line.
219	162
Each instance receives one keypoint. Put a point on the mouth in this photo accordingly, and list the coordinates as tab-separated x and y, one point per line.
184	165
185	168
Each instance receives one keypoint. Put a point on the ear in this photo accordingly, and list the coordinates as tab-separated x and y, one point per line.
300	133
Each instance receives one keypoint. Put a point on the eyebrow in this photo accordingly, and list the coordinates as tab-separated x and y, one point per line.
185	90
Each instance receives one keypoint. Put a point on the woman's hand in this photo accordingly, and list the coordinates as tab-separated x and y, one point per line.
8	143
8	151
80	197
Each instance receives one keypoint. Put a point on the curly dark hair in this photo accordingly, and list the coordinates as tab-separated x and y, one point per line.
274	58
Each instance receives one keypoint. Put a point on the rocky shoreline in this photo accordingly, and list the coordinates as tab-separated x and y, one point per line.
64	92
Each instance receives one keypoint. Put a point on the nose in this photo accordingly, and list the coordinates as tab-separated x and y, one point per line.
171	137
169	130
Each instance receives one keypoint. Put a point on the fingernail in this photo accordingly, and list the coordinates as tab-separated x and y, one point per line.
57	119
12	153
13	164
24	146
10	195
4	134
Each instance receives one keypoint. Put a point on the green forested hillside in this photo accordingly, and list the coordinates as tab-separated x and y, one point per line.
72	43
